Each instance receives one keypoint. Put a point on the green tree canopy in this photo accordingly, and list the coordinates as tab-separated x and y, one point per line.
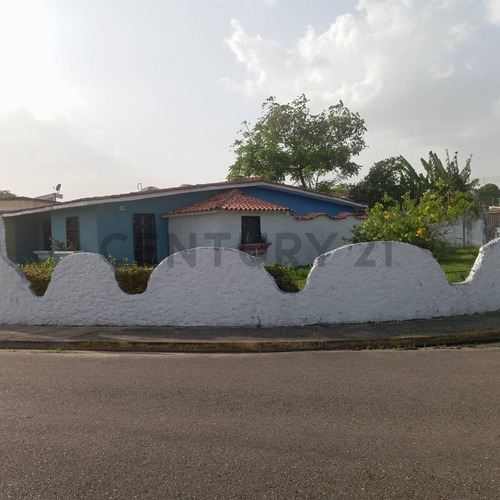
4	193
289	141
384	178
489	194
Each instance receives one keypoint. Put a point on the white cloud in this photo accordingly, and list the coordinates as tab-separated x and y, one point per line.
439	72
421	73
493	11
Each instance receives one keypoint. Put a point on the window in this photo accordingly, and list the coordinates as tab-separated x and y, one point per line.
250	229
72	233
145	239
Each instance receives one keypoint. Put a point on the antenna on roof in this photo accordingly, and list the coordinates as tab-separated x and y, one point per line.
56	192
52	196
139	186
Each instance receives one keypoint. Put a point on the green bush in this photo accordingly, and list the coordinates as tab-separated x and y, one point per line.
283	275
421	222
132	278
39	274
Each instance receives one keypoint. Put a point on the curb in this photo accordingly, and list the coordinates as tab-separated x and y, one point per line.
258	346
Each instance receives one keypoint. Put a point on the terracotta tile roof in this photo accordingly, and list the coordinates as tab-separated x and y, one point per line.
341	216
233	199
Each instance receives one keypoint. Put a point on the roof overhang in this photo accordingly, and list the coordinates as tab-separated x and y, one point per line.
212	212
196	188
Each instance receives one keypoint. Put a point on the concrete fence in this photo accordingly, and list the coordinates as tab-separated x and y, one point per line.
216	286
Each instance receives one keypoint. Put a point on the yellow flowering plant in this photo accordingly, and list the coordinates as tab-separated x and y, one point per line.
421	222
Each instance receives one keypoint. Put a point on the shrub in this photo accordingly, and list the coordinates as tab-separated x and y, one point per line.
421	222
283	275
39	274
132	278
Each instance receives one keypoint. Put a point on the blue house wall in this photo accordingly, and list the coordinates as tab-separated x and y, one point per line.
88	226
300	204
107	227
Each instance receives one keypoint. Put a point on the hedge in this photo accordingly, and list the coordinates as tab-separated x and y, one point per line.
133	279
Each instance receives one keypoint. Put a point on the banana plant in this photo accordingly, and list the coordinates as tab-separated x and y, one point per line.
444	179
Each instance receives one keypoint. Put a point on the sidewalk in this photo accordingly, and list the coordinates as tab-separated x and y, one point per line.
404	334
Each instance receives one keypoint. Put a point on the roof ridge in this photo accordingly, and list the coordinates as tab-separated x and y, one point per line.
180	189
229	200
229	195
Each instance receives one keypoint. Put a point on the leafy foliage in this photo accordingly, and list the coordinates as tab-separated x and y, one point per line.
289	141
444	179
133	279
421	222
284	277
4	193
384	178
63	246
39	274
488	195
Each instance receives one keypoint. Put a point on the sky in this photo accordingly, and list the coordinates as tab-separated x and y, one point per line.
105	96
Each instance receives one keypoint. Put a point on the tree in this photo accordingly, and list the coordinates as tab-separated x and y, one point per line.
444	179
384	178
4	193
288	141
422	222
489	194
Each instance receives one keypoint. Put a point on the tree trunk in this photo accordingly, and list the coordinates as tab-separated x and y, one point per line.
301	177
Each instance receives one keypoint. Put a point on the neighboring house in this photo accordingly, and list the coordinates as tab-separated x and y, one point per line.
21	203
493	224
148	225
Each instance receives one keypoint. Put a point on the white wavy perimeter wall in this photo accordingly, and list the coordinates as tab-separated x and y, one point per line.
217	286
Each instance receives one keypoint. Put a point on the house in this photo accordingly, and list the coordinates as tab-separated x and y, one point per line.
493	223
294	224
21	202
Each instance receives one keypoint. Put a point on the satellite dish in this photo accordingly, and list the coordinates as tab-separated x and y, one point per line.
139	186
58	187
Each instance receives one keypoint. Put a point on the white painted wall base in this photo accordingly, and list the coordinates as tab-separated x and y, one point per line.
215	286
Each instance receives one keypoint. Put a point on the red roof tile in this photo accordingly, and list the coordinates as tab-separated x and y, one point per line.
233	199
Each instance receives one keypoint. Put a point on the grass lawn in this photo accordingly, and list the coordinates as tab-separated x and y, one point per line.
456	262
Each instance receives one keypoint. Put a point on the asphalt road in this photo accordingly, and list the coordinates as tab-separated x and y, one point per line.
369	424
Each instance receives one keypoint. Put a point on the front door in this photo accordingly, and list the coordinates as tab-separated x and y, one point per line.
145	239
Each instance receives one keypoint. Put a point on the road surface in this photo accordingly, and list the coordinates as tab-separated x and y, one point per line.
368	424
